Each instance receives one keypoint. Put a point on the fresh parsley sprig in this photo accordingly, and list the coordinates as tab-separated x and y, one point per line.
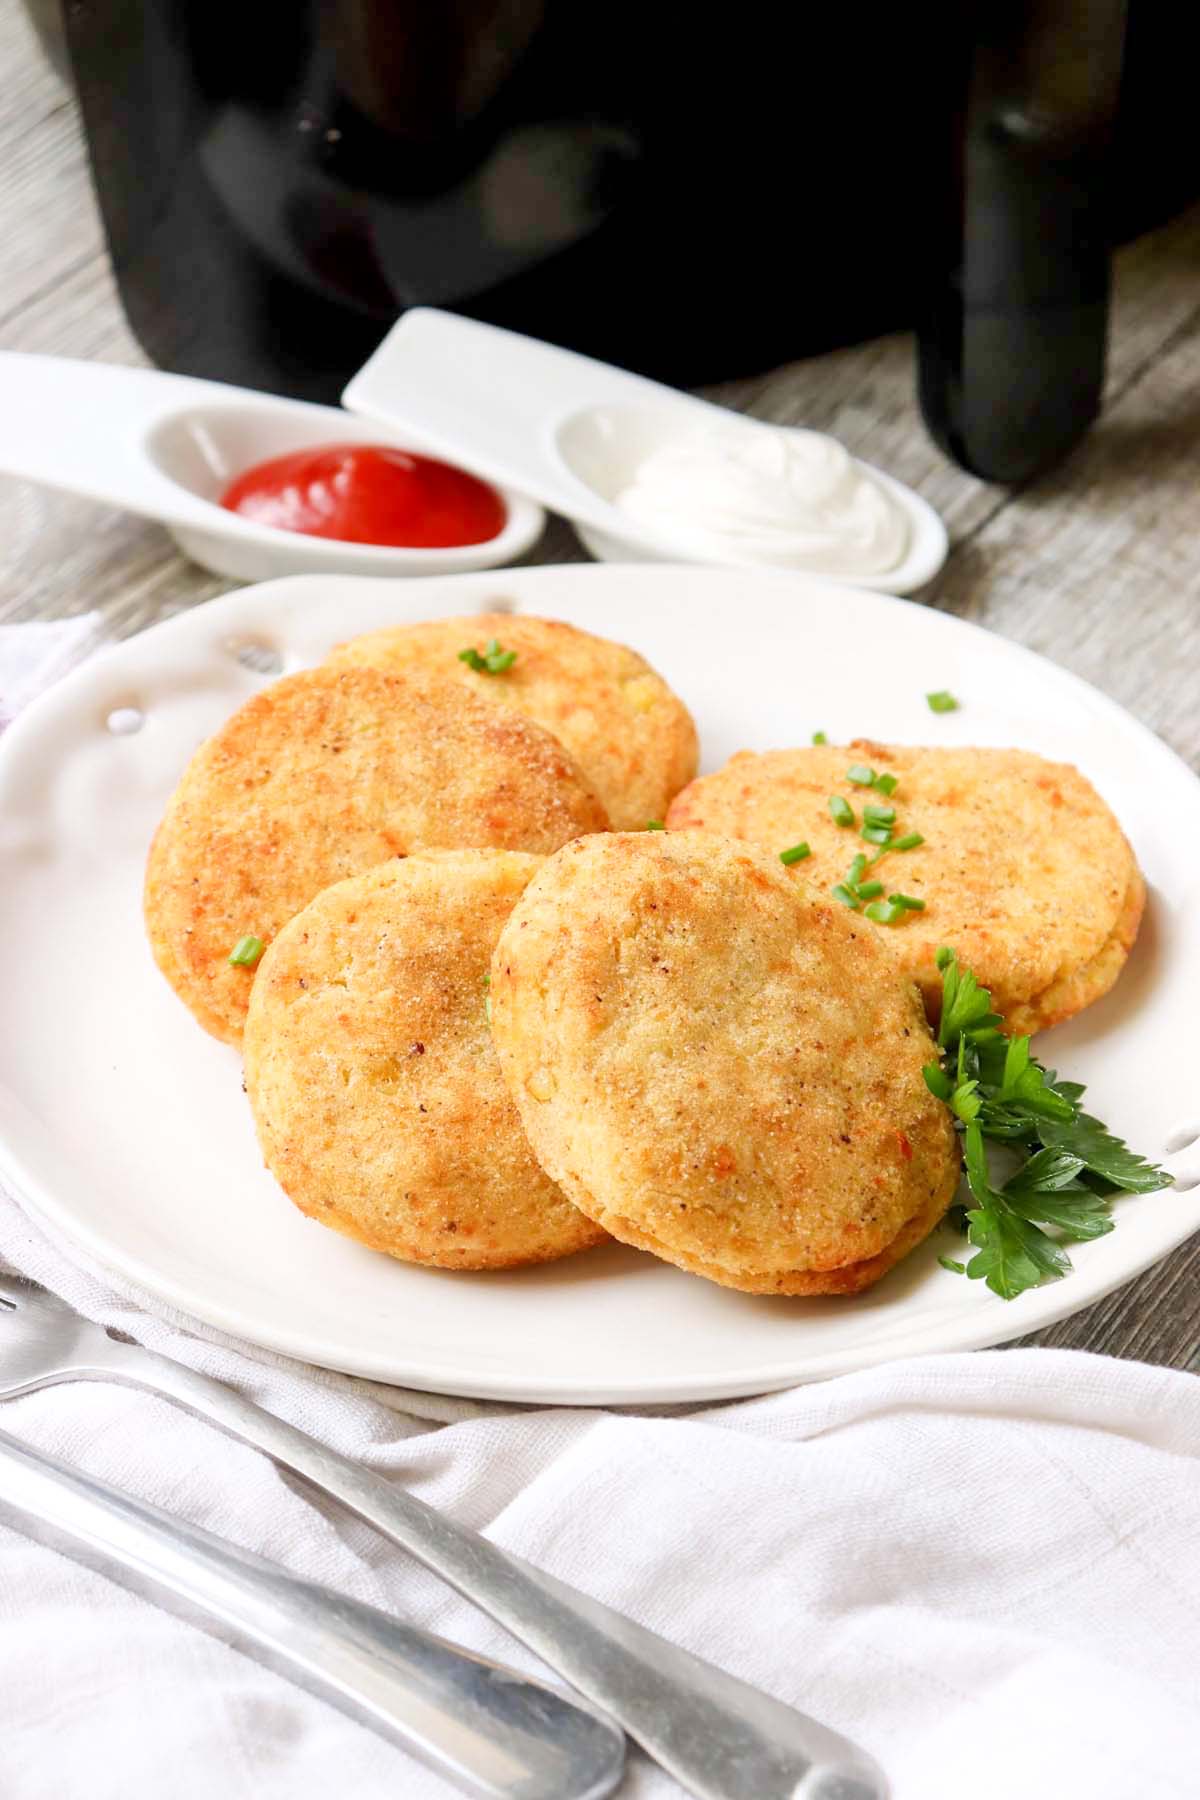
1072	1164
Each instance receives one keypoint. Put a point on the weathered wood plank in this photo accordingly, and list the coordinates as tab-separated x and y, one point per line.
1098	565
51	226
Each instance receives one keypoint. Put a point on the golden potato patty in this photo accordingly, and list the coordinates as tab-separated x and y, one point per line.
320	776
1024	870
370	1069
719	1065
632	737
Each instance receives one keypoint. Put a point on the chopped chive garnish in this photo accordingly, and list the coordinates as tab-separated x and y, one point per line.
909	841
879	815
246	952
846	895
819	737
796	854
885	912
941	701
886	784
907	902
876	834
655	825
841	810
487	997
956	1268
867	890
494	660
861	776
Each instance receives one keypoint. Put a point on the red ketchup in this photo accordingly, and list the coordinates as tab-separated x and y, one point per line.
368	494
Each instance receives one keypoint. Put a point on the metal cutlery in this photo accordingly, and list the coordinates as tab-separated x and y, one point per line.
480	1725
720	1738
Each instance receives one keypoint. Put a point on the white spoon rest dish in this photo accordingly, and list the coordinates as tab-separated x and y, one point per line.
166	446
573	433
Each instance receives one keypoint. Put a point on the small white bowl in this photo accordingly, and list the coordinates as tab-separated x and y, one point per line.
603	447
571	431
166	446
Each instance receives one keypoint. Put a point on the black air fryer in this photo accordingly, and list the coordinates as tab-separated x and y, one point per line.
691	193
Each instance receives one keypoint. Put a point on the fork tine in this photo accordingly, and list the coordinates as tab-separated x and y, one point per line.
16	1291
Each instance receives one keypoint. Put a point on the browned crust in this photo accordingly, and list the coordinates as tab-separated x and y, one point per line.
631	735
1024	869
478	1261
375	1088
1090	980
320	776
719	1066
850	1278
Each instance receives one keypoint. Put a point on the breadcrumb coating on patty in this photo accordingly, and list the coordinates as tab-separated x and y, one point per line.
1024	870
320	776
375	1088
720	1064
633	738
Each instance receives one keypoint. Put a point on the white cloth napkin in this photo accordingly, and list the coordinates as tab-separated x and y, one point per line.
34	655
984	1568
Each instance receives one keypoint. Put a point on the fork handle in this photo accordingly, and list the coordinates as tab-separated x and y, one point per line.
719	1737
479	1725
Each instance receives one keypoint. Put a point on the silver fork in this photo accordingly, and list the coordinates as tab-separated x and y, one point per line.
720	1738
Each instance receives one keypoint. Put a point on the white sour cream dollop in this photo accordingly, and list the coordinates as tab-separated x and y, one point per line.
789	499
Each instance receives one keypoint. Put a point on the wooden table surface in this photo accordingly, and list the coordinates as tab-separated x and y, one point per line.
1096	566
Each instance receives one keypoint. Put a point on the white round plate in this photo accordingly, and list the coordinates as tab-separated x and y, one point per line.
125	1127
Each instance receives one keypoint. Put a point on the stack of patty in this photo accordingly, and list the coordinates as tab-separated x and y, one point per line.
306	822
489	1030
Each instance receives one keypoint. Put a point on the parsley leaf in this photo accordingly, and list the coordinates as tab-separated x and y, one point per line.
966	1007
1013	1252
1078	1217
965	1101
1046	1172
1024	1083
1103	1154
1000	1258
